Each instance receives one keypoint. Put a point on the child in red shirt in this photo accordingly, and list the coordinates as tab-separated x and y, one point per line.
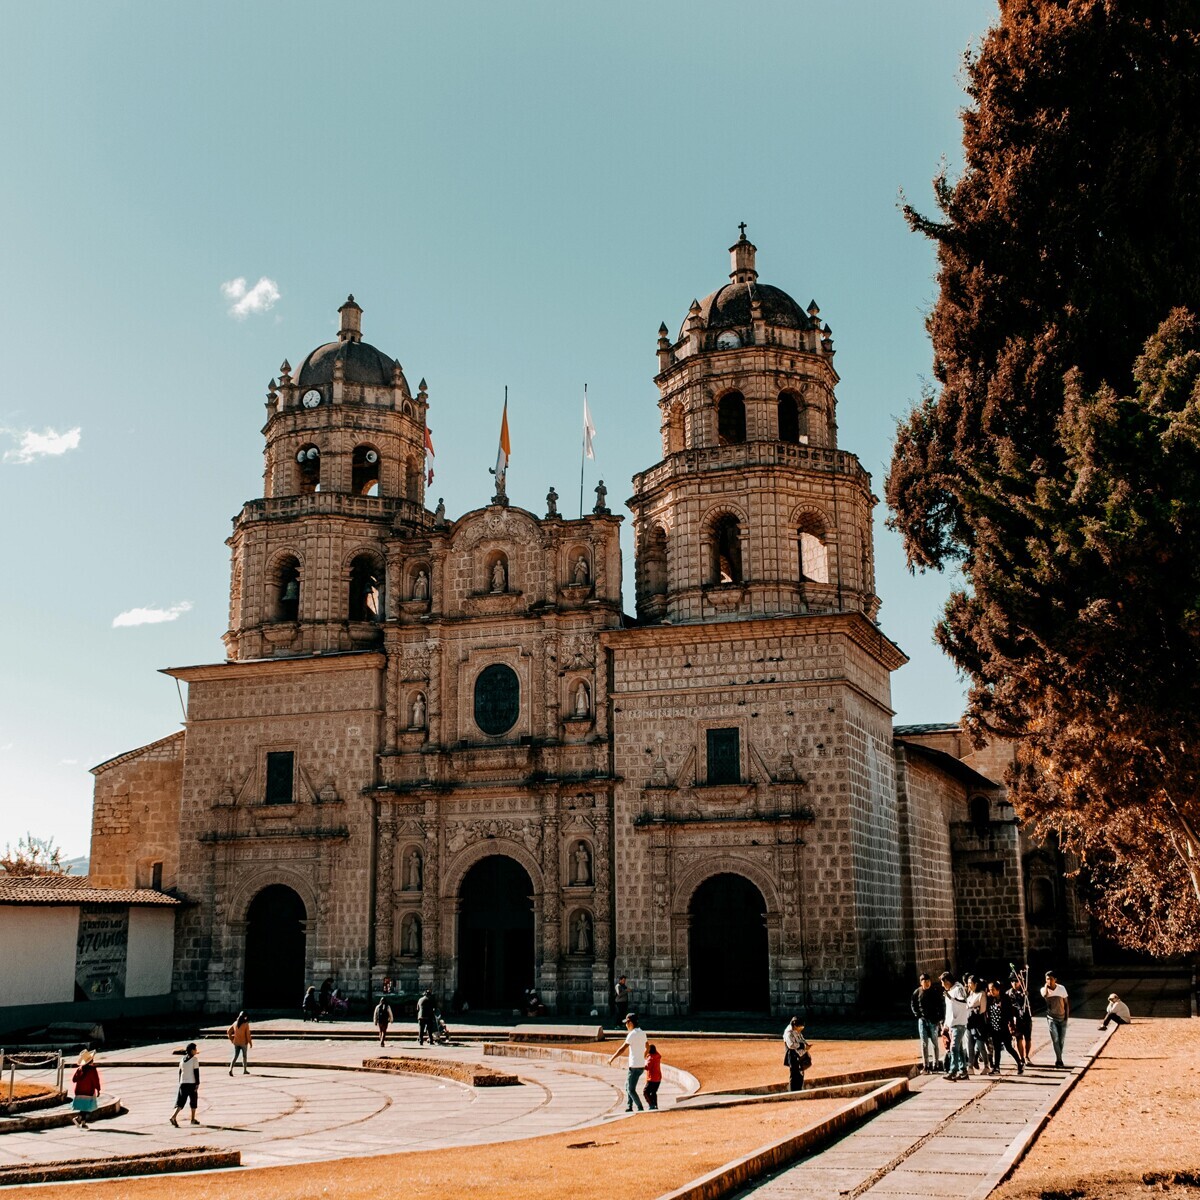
653	1077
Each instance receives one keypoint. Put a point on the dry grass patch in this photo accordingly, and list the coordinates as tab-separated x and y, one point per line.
722	1064
641	1157
1134	1114
26	1091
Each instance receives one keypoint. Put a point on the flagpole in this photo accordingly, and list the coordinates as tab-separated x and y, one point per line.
582	453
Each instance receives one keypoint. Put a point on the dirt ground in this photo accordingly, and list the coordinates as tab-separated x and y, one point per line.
643	1156
721	1064
1135	1113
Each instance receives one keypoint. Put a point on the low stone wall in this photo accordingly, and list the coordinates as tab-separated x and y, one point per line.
906	1070
154	1162
472	1074
108	1107
11	1108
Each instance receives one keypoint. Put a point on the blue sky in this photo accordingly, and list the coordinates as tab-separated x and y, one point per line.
517	194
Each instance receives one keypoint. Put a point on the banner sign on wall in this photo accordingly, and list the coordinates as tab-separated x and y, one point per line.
101	951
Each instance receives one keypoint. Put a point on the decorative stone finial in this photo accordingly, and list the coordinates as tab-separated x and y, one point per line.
285	372
351	314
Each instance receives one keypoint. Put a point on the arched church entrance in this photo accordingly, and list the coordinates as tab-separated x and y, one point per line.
727	946
275	938
495	934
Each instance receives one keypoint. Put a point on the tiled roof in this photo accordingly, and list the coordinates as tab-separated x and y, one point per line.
74	889
935	727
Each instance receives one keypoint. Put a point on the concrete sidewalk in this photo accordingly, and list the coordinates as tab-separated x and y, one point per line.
948	1139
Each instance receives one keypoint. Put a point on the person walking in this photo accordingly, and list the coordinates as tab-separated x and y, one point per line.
928	1006
955	1020
1117	1011
239	1034
425	1018
87	1088
188	1094
653	1077
977	1043
796	1057
635	1040
382	1019
1018	997
1058	1013
999	1016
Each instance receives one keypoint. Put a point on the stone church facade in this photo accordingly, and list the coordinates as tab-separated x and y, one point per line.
439	751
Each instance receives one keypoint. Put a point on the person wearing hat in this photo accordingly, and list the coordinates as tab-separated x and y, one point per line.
635	1039
795	1053
1117	1011
189	1084
87	1088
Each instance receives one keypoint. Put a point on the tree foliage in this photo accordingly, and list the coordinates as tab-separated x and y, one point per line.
1058	462
33	856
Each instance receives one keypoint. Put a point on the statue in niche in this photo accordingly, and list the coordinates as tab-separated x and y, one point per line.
412	879
583	934
583	863
552	503
421	585
418	712
499	577
582	700
412	936
581	570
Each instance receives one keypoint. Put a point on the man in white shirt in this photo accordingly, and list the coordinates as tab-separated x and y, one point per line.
1058	1013
635	1039
1117	1011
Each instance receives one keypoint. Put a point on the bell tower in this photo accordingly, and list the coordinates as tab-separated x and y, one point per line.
753	510
344	470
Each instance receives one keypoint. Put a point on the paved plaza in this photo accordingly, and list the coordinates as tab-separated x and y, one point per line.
292	1113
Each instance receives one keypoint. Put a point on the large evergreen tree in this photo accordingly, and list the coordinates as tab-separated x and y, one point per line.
1058	462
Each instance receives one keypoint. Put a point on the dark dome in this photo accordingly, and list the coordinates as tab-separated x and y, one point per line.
361	362
729	307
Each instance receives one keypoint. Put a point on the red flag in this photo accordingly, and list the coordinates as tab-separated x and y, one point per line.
429	442
430	483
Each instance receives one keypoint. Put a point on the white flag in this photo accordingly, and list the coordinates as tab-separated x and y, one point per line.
589	430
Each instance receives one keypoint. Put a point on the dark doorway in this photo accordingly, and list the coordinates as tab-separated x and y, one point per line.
275	949
727	947
495	934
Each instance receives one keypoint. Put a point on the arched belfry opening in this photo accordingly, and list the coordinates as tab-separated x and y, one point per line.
366	587
813	549
793	424
495	933
275	948
365	471
285	590
726	566
308	470
731	419
728	958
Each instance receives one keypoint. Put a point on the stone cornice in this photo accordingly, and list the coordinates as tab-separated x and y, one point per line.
257	668
868	637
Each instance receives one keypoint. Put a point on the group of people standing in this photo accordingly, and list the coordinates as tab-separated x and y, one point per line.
966	1025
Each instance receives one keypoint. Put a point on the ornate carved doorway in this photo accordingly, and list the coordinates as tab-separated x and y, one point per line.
727	946
275	939
495	934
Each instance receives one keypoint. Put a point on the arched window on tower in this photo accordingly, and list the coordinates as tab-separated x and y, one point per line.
412	479
727	550
731	419
308	468
365	471
654	561
814	553
365	579
675	437
286	590
793	425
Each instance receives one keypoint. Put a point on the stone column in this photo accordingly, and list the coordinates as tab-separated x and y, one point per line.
551	923
435	951
385	848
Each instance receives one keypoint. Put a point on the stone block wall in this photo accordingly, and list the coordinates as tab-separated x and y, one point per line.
135	816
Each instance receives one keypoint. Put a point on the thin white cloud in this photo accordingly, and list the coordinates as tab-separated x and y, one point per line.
68	762
32	445
245	300
151	616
